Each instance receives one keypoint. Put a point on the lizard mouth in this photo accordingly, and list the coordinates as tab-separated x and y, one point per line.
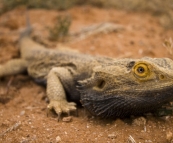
125	103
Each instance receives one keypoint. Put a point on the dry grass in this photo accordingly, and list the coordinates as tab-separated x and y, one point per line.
164	9
60	29
50	4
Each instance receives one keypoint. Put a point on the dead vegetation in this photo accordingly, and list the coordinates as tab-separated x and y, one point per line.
51	4
163	9
60	29
168	44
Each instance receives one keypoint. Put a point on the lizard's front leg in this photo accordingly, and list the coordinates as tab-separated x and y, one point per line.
13	67
56	93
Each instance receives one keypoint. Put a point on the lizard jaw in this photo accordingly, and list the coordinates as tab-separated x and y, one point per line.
124	104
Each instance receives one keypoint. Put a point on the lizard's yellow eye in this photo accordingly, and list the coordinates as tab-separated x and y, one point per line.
141	70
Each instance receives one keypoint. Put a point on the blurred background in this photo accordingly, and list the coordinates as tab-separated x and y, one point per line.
146	25
163	9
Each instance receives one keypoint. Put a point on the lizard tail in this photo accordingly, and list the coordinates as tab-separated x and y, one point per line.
26	44
28	30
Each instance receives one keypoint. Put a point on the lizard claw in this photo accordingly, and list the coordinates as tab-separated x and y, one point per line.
61	107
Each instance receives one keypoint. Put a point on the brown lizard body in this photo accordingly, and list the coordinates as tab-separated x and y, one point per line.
106	87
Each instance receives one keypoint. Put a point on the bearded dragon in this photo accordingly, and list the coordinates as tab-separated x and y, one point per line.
106	87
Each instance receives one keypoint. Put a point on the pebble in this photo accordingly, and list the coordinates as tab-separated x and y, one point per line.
139	121
22	113
67	119
169	136
112	136
58	139
165	118
148	141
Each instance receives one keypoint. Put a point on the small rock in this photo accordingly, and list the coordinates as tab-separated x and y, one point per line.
67	119
22	112
171	104
119	122
58	139
148	141
112	136
139	121
165	118
169	136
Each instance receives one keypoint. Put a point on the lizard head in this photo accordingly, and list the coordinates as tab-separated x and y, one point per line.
128	87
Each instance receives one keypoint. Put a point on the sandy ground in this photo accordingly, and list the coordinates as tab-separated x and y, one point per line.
23	119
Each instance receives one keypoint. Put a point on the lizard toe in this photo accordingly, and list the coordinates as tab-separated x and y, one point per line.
67	107
62	107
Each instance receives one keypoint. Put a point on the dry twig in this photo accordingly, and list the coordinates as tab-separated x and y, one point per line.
12	128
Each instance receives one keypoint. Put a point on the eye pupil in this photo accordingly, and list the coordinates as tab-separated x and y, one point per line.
141	69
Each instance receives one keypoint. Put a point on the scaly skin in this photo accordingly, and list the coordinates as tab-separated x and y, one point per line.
106	87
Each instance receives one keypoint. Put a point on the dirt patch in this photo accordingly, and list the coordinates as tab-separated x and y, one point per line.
24	118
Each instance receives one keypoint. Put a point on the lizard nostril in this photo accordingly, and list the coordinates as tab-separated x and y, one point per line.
161	76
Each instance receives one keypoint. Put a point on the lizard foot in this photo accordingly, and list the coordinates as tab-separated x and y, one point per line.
62	107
